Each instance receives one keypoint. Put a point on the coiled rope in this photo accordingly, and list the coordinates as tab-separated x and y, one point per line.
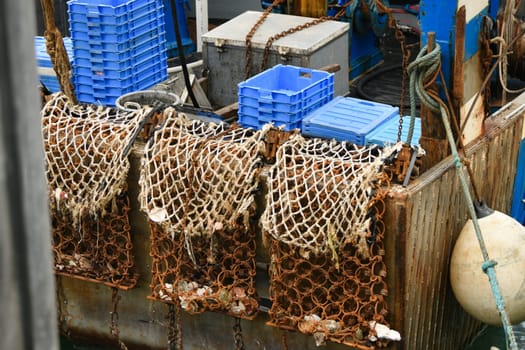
426	66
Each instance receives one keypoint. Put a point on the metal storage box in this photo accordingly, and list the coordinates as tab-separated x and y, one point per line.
224	51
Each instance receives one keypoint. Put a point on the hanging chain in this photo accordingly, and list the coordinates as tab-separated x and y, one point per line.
284	340
174	327
237	335
282	34
298	28
63	314
405	55
250	35
114	327
57	51
289	31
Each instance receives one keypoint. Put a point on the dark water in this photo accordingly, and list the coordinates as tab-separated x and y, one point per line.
488	337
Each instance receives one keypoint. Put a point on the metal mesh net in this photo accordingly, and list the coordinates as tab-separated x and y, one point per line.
197	188
87	170
323	214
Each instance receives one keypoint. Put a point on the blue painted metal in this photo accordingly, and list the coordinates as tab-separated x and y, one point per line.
493	8
171	43
363	41
518	204
472	31
440	17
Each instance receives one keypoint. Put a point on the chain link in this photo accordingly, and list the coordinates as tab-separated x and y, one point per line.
405	54
174	327
282	34
237	335
284	340
114	327
251	33
61	301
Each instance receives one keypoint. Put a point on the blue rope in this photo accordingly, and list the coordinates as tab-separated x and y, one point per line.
422	68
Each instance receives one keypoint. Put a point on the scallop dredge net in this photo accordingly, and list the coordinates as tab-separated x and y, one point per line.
323	216
86	169
198	182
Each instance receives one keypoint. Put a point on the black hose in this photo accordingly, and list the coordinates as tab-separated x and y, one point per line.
182	59
373	75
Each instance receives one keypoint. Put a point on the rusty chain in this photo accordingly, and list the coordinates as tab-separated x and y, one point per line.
237	334
284	340
251	33
298	28
405	55
63	314
174	327
57	51
289	31
114	325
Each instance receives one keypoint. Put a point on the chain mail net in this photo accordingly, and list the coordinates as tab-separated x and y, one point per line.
323	214
87	170
197	187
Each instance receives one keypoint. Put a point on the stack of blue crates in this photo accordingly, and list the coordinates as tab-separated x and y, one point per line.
119	46
46	74
283	95
348	119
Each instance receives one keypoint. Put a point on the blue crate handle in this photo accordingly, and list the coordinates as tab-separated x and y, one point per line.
265	96
305	74
367	103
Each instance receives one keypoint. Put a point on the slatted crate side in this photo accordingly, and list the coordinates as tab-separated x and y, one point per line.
436	212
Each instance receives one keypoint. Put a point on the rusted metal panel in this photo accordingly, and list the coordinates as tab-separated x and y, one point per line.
434	214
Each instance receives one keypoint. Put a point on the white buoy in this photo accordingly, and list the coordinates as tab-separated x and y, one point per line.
505	241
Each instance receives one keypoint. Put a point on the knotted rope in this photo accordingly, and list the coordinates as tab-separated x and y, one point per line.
426	66
57	51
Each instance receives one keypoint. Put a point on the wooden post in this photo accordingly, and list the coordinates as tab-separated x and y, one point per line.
433	137
27	295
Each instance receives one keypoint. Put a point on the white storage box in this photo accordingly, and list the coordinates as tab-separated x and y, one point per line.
224	51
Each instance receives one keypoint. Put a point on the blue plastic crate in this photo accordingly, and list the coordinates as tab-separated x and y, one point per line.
78	12
257	123
108	96
45	67
50	82
95	37
284	95
347	119
286	84
139	53
151	19
152	37
120	70
109	7
386	133
283	118
121	78
42	57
